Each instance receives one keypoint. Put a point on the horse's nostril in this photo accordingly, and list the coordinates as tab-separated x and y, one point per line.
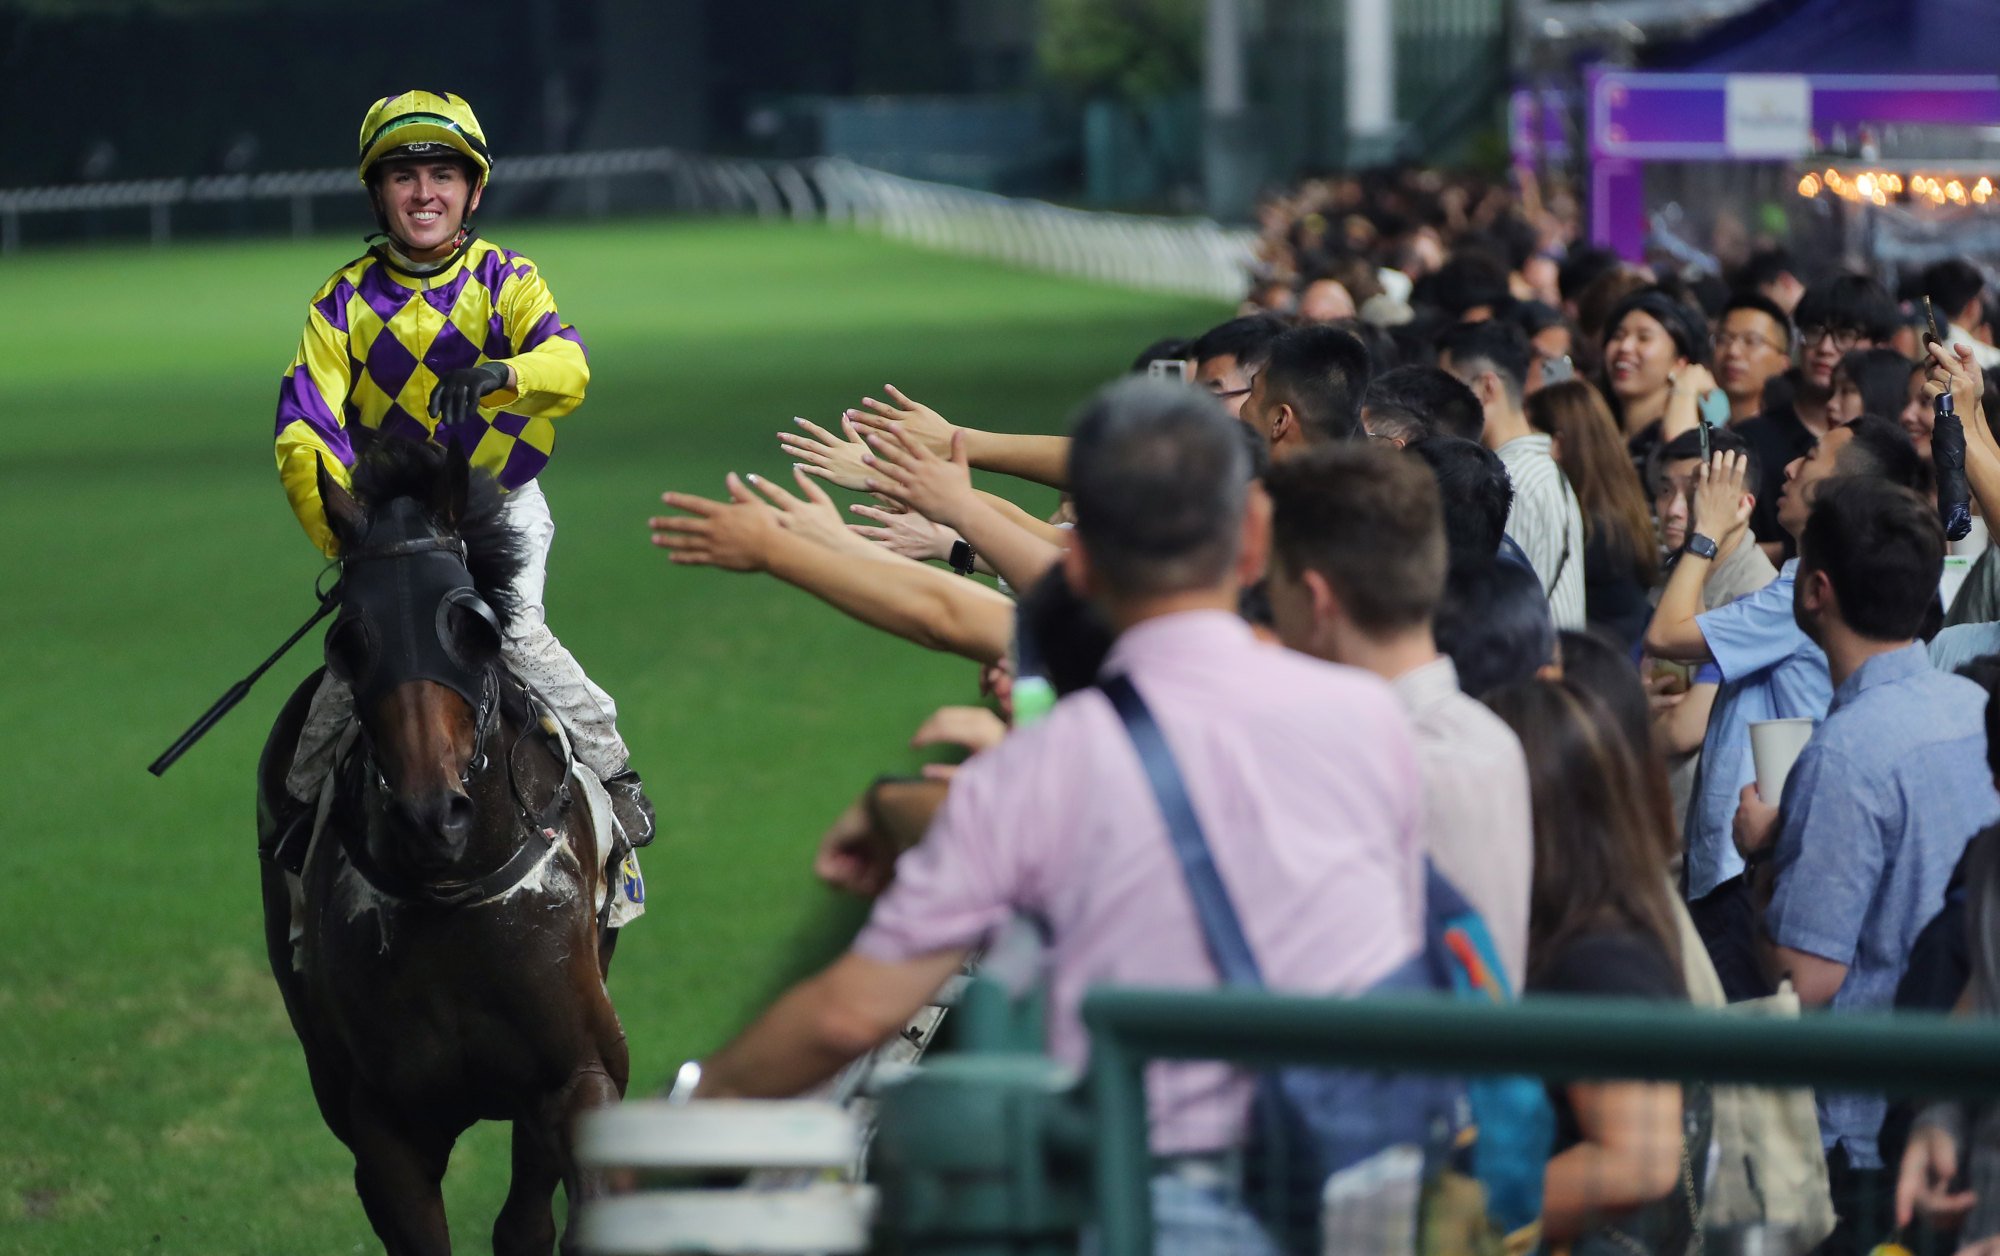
456	817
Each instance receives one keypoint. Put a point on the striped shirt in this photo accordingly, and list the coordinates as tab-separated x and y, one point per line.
377	341
1547	523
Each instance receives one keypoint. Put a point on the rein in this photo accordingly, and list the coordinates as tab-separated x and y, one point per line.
543	824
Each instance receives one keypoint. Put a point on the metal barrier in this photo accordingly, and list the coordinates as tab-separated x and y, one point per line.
1025	1140
1194	257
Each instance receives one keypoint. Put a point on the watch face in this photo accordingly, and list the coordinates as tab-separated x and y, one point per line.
1701	546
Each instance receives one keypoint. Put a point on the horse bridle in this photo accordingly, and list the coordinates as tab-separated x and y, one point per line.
542	823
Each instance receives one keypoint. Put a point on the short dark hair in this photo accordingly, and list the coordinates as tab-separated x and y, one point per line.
1749	299
1535	317
1320	372
1882	376
1721	440
1494	622
1952	284
1765	266
1477	494
1058	635
1467	281
1244	339
1882	549
1159	477
1582	267
1169	349
1985	672
1879	448
1413	402
1848	302
1370	521
1495	344
1684	325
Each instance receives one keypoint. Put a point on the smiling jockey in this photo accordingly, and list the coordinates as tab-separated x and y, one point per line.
437	335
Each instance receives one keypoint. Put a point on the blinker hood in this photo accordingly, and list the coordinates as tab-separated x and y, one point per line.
409	612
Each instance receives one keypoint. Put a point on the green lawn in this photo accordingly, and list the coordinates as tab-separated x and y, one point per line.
152	1098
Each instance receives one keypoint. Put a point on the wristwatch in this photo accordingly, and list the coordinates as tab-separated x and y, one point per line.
962	557
1701	546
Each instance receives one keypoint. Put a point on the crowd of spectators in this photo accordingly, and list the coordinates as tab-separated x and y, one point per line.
1462	544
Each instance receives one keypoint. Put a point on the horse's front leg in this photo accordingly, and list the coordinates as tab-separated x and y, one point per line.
591	1086
399	1174
526	1225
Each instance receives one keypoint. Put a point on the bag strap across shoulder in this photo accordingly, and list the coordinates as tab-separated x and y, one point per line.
1220	926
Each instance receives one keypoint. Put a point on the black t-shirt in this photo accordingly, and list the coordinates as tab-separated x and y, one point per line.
1777	438
1614	597
1615	963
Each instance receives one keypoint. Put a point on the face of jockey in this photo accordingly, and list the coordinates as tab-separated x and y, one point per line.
426	203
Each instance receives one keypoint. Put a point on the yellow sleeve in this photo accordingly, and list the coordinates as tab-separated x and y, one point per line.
551	370
311	429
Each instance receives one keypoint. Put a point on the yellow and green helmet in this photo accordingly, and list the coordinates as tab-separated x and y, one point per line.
418	124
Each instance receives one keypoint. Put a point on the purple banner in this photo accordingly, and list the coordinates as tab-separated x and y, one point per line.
1666	116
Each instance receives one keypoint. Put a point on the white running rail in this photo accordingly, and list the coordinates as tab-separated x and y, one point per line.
1190	256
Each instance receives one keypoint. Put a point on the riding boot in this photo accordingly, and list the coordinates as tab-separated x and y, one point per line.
631	806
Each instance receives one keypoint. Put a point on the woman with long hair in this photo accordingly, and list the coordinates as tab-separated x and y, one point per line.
1601	924
1620	555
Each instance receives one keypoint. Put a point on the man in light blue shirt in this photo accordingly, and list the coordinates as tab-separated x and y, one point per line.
1878	808
1770	668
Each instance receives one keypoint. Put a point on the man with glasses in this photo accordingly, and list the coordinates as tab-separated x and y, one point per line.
1835	316
1753	343
1228	354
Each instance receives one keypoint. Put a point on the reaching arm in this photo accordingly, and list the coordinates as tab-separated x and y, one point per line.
1721	507
942	490
932	608
1042	459
823	1024
1038	527
1683	412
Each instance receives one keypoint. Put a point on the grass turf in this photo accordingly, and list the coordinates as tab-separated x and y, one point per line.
152	1098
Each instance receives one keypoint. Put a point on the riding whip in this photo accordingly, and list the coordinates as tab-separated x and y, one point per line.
329	601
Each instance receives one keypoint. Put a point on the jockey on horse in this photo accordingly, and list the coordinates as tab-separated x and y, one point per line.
437	335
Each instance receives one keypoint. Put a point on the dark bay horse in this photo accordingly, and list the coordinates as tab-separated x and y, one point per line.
449	960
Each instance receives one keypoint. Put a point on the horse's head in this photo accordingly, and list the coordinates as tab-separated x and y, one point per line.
425	570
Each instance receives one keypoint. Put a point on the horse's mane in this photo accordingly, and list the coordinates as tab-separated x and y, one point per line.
389	467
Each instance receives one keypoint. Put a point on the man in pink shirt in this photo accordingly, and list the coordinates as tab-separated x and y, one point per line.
1304	774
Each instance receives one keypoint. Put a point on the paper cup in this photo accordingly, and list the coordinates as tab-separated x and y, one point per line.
1774	748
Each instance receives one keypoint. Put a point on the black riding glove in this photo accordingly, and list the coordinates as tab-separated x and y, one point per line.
457	395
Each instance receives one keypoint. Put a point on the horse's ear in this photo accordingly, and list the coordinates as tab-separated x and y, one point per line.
454	489
343	514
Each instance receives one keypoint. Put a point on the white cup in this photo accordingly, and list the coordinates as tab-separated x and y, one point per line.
1774	748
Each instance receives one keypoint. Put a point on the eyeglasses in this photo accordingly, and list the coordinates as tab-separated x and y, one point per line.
1724	341
1844	338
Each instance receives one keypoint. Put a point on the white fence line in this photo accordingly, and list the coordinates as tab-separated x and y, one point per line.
1191	256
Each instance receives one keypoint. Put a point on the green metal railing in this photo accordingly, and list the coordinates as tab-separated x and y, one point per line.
990	1152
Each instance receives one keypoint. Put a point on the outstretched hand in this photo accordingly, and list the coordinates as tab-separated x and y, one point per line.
909	417
901	466
904	532
813	516
735	535
821	453
855	855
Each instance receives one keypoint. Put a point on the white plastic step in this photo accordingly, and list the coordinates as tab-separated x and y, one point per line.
720	1134
826	1218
